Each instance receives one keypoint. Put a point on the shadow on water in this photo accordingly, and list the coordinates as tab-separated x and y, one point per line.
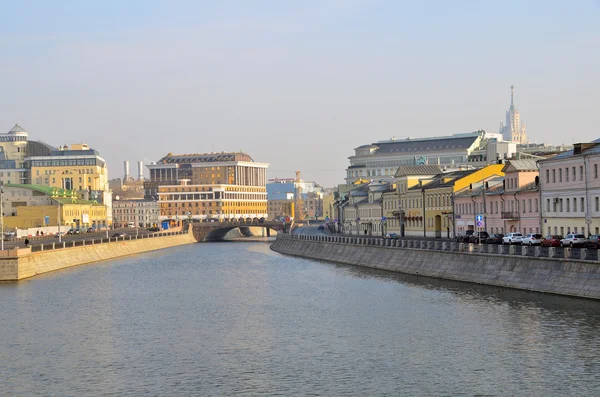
578	308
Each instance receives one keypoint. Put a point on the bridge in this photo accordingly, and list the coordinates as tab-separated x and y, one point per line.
216	231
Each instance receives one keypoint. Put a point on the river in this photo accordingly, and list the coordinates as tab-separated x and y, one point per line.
221	319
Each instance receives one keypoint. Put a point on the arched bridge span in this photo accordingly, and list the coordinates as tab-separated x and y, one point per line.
216	231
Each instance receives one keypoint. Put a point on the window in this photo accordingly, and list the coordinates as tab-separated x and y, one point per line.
560	175
568	205
582	202
530	205
536	205
523	203
595	171
547	176
581	172
574	174
567	174
553	176
597	205
547	205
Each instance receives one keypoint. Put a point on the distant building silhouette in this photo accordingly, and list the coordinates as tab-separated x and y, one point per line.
513	130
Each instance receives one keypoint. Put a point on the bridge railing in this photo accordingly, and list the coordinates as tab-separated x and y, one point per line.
587	254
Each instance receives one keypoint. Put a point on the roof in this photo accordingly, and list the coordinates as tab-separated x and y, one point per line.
438	180
17	129
593	149
428	145
522	165
204	158
412	170
61	195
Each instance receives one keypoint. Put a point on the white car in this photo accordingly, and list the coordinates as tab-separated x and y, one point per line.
512	238
573	240
532	239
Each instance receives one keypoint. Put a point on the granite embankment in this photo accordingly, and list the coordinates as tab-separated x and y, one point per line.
550	275
21	263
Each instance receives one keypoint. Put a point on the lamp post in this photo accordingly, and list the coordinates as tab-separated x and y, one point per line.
58	221
424	225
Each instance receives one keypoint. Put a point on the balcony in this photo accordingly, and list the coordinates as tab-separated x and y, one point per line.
510	215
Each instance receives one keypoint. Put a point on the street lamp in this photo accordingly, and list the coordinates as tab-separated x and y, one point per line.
424	224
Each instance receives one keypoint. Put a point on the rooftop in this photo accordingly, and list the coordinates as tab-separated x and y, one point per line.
17	130
62	195
204	158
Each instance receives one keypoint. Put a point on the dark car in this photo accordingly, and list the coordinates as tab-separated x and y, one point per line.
73	231
91	230
551	241
479	237
494	239
464	238
154	229
593	241
321	227
120	234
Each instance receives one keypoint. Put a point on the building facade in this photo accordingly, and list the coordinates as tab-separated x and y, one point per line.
570	185
140	213
34	206
218	186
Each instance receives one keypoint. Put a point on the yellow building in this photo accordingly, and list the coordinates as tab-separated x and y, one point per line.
34	206
328	206
428	206
76	168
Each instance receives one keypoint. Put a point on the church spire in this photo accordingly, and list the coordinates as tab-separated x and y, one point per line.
512	96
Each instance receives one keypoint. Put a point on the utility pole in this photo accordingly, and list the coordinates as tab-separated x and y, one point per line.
2	214
58	221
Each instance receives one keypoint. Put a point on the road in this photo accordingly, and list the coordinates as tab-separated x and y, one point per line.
38	240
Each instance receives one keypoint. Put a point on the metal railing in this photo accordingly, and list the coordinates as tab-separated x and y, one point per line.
95	241
586	254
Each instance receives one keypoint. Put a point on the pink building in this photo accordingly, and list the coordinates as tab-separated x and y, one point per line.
509	204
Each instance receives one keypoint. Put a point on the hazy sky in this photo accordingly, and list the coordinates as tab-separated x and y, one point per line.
297	84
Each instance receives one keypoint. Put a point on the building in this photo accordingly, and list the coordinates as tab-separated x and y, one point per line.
34	206
208	186
363	211
140	213
507	204
570	191
281	195
329	212
380	160
429	206
513	130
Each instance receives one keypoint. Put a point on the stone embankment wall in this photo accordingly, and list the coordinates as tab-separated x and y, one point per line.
22	263
551	275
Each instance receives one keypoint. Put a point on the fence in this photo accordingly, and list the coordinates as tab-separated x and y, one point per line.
94	241
491	249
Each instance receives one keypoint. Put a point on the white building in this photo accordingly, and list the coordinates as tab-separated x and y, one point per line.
570	189
380	160
142	213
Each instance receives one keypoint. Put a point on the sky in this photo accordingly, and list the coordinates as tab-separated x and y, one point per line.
296	84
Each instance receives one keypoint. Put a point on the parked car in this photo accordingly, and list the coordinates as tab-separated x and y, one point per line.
593	241
494	239
154	229
321	227
479	237
573	240
551	241
512	238
393	236
532	239
119	234
464	238
73	231
90	230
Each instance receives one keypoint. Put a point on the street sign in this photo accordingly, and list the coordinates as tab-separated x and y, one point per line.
383	218
47	220
479	223
479	218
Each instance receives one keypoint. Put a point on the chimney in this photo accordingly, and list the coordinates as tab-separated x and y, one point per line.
126	166
140	171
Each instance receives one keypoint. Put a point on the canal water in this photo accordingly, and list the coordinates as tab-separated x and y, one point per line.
222	319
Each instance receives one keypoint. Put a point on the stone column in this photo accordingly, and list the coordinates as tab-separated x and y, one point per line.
537	251
511	249
567	252
551	252
524	250
584	253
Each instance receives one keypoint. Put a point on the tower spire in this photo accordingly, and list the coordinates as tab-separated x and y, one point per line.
512	96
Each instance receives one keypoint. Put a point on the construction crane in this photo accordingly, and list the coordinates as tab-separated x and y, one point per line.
298	205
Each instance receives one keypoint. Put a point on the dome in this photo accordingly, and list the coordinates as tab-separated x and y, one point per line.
17	130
